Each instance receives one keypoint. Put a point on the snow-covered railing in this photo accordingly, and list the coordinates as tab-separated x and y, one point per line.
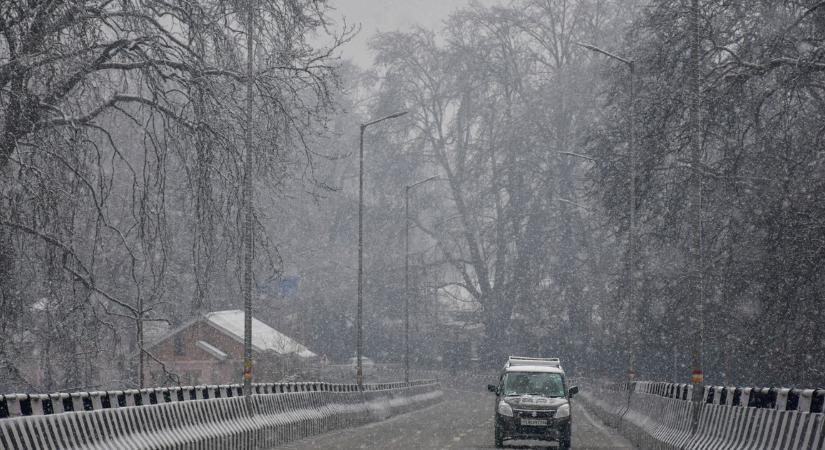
204	417
663	416
15	405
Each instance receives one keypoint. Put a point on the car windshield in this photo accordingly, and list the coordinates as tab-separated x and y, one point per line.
533	383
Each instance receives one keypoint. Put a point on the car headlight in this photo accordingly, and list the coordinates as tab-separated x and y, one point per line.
504	409
563	411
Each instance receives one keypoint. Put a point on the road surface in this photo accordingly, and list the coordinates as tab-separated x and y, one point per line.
463	419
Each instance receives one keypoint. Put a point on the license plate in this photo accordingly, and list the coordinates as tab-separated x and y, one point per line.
534	422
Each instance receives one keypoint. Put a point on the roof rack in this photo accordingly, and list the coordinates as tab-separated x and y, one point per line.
526	361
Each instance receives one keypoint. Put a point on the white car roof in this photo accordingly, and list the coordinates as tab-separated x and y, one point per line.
547	369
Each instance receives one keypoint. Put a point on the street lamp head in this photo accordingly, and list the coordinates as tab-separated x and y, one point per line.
391	116
397	115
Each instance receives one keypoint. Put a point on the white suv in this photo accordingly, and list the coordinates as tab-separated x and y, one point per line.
532	401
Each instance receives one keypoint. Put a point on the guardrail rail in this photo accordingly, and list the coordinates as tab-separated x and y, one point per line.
202	417
663	416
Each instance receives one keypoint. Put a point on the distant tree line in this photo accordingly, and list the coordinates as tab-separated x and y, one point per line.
532	133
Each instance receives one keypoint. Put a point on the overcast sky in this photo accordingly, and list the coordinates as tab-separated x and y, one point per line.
391	15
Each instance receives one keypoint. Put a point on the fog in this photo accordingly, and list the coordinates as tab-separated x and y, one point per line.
632	187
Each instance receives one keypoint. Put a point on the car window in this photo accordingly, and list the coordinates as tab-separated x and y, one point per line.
533	383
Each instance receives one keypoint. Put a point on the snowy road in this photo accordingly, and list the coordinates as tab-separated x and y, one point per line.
463	420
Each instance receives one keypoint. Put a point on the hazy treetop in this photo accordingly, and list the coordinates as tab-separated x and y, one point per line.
392	15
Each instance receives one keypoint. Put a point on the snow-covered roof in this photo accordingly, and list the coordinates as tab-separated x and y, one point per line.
547	369
532	361
530	364
264	337
211	349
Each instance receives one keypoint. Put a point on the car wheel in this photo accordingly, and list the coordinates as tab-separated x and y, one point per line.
499	437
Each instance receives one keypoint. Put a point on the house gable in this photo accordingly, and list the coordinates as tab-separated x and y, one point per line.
182	345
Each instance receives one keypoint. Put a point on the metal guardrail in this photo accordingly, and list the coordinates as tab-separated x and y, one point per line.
15	405
280	413
660	415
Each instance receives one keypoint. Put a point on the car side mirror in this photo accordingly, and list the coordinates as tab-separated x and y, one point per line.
572	391
492	388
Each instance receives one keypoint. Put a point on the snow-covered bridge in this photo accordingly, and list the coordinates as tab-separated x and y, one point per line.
420	414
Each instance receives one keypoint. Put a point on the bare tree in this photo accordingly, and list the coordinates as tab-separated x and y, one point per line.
102	103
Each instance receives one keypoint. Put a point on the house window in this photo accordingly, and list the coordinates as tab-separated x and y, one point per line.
179	345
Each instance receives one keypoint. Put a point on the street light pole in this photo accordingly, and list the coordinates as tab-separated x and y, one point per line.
248	193
697	377
359	373
631	233
407	275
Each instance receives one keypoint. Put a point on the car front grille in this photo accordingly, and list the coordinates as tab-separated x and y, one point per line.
528	414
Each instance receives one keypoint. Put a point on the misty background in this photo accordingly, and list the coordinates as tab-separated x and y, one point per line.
121	169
